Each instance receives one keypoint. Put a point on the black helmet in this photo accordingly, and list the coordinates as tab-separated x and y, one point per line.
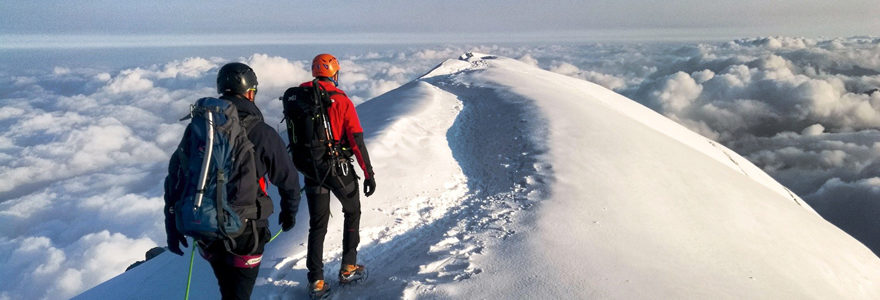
236	78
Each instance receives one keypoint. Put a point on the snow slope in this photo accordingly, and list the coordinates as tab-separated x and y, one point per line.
499	179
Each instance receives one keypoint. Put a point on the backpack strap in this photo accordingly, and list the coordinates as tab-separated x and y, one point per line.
249	122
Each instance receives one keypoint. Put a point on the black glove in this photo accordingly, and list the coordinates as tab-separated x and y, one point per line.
287	220
369	186
175	239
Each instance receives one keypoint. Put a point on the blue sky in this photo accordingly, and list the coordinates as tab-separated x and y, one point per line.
513	18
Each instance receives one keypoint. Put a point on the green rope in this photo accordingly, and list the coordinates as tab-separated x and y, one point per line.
189	276
276	235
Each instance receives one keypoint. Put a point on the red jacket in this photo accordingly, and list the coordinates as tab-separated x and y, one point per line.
345	124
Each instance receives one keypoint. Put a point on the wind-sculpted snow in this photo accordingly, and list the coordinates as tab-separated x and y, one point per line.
645	207
802	109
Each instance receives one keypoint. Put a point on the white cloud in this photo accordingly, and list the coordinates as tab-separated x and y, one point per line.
168	135
45	271
438	55
565	69
190	67
10	112
103	77
84	148
32	261
703	76
813	130
55	122
131	80
605	80
787	84
101	254
777	43
275	73
61	71
26	206
528	59
23	80
122	207
676	92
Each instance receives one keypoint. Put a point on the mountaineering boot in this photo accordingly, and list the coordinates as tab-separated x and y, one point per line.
319	290
352	273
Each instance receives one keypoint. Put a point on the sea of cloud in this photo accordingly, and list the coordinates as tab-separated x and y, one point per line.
84	150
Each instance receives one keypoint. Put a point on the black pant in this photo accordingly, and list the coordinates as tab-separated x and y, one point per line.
344	186
237	283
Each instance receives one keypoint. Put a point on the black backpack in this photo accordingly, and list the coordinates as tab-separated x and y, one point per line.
313	148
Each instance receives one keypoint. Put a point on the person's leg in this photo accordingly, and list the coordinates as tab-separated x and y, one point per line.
319	214
238	282
235	283
349	196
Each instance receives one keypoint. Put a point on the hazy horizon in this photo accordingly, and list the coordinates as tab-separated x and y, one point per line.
102	23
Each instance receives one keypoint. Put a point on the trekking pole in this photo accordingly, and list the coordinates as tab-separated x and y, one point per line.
192	255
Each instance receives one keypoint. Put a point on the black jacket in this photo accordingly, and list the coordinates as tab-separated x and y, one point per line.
271	158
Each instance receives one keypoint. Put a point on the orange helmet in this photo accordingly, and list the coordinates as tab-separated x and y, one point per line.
325	65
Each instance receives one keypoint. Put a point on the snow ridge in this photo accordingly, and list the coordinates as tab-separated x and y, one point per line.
478	186
498	179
